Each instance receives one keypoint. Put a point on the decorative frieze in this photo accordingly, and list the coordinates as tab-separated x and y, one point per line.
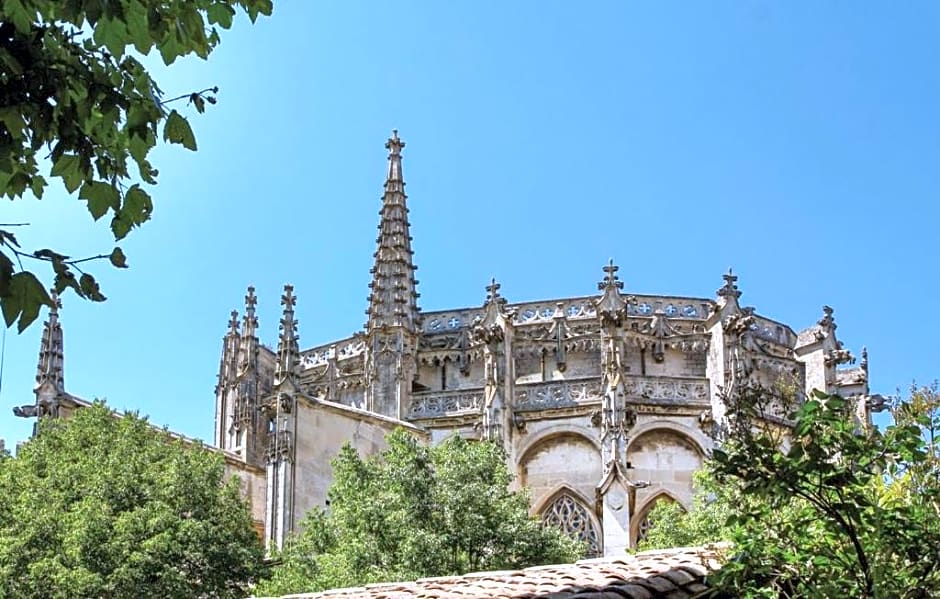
666	389
451	403
559	394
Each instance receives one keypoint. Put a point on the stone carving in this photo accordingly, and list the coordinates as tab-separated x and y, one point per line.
839	356
666	389
280	445
561	394
451	403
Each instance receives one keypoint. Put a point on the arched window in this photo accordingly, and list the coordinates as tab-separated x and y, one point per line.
571	516
645	522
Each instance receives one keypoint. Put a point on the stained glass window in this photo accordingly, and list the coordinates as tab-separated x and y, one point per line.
571	516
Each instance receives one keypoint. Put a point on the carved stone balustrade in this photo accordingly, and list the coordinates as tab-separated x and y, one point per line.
438	404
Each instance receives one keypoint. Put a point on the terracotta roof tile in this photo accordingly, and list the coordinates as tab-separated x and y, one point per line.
663	574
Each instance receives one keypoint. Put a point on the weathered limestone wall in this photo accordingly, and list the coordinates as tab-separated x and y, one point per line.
559	458
322	429
251	483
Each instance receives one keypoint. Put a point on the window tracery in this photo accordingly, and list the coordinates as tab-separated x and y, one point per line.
571	516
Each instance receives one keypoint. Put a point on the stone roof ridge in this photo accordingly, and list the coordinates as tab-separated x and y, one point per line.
678	572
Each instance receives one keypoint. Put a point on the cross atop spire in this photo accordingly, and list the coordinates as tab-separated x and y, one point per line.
288	352
729	289
610	277
492	293
394	297
251	321
394	146
611	307
233	323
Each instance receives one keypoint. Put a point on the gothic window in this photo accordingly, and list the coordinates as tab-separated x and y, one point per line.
645	523
570	515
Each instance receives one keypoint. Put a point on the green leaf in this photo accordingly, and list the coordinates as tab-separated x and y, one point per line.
69	167
177	131
117	258
20	15
38	185
100	196
135	211
12	119
111	33
138	28
6	273
90	288
25	295
221	14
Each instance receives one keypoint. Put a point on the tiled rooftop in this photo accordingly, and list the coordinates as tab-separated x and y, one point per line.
672	573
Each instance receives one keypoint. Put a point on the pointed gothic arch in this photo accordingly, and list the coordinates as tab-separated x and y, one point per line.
568	511
641	522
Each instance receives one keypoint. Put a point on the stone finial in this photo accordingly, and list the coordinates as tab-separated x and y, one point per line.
611	306
233	323
730	288
288	351
827	321
610	277
250	326
492	293
864	361
394	145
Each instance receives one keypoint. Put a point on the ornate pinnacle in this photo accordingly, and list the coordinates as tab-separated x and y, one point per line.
729	289
394	146
827	322
611	306
233	323
250	321
492	293
288	353
51	356
610	277
864	361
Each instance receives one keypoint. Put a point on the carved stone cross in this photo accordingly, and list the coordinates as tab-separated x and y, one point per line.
250	300
610	277
492	290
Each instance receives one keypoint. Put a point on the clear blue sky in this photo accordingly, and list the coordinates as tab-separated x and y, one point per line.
797	142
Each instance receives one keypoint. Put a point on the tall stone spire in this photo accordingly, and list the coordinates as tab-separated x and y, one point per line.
288	352
50	373
393	300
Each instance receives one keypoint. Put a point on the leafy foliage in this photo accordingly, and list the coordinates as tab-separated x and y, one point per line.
80	104
106	506
416	511
831	509
706	522
836	508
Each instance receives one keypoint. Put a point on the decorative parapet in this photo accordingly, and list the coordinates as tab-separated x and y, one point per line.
574	309
340	350
561	394
666	389
439	404
557	394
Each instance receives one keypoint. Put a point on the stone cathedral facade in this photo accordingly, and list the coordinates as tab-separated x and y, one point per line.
604	403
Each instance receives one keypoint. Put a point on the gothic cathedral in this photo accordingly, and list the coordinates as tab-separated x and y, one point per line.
604	403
